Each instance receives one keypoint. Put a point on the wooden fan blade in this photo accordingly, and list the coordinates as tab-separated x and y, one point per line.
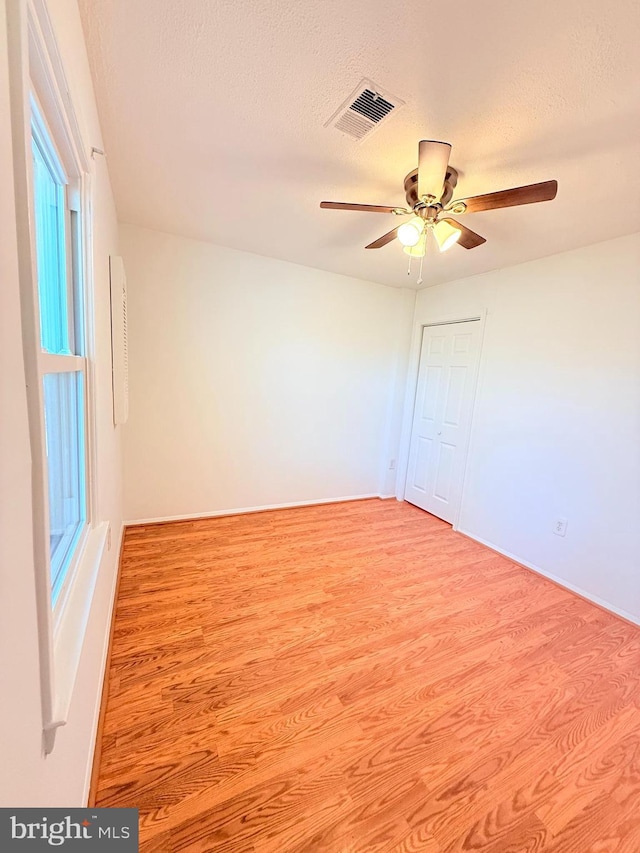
468	239
382	241
371	208
530	194
433	159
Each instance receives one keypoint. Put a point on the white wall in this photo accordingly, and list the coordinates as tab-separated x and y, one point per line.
556	429
27	778
253	381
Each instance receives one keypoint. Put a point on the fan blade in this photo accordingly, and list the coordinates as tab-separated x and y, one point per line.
530	194
433	159
468	239
382	241
371	208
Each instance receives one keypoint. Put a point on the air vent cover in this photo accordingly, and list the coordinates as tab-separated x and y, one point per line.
364	110
119	341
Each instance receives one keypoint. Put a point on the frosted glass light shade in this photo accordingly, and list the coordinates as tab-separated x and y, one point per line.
409	234
420	248
446	235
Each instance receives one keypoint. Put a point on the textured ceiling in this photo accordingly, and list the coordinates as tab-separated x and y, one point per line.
213	114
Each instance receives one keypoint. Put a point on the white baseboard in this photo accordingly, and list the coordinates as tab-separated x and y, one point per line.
595	599
216	513
104	674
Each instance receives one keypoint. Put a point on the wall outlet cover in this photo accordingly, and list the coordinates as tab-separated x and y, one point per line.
560	526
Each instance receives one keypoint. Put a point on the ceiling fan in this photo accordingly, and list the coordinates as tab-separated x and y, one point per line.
429	190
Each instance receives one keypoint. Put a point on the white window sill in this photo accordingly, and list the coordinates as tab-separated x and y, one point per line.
71	628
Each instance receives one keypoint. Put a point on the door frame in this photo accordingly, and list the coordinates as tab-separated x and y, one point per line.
412	391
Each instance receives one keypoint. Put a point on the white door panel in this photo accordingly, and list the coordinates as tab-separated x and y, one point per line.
430	396
453	404
442	416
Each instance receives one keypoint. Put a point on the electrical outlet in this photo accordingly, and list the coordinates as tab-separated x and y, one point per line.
560	526
392	465
109	538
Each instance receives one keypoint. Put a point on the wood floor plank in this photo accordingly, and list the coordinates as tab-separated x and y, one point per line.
358	678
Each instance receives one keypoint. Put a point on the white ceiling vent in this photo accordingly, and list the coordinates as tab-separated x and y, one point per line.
364	110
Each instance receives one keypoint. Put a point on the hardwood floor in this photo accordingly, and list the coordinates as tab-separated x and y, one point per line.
358	677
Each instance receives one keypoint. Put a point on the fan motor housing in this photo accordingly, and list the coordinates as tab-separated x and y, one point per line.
411	187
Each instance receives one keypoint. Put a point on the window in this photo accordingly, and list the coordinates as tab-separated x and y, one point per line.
62	363
54	186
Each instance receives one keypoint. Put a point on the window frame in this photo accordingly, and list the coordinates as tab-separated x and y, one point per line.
77	360
36	71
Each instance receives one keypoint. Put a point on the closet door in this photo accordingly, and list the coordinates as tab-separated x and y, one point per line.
442	417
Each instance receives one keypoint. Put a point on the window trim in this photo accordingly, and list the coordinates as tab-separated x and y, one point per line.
48	362
35	66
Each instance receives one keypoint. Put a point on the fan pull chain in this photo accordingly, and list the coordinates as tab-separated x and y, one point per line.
420	271
409	267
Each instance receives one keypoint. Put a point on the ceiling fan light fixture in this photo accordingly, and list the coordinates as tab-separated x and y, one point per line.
419	249
446	235
410	233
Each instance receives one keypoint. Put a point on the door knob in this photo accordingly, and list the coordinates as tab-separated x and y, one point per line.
439	433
